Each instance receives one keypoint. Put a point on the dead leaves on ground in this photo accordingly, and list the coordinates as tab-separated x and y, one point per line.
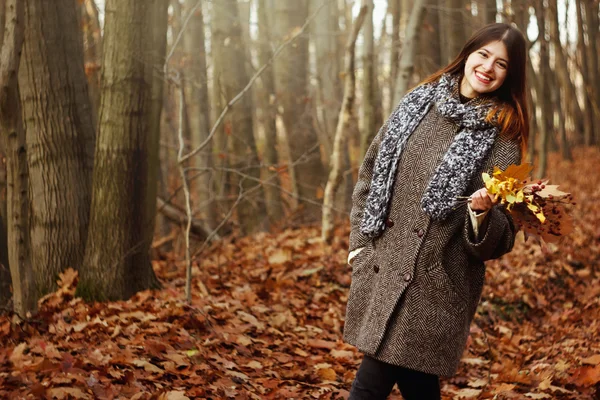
271	327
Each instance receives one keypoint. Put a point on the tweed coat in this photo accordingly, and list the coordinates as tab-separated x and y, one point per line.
415	288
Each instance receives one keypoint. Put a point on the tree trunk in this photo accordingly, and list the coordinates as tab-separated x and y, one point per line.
371	102
324	34
345	120
156	47
227	46
454	25
521	19
5	282
57	114
544	95
593	91
116	268
199	110
588	116
24	297
562	70
407	63
92	49
429	53
269	113
486	11
2	20
395	49
457	28
306	169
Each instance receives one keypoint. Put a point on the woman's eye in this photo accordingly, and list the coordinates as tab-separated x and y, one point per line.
483	54
502	65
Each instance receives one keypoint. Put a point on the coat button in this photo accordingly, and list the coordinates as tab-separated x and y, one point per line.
420	233
376	268
407	277
389	223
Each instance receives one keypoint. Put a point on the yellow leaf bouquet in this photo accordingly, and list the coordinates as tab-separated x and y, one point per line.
536	206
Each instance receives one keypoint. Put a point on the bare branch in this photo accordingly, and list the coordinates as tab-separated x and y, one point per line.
258	73
188	205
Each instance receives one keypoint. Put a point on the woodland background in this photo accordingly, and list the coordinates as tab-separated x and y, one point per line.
176	187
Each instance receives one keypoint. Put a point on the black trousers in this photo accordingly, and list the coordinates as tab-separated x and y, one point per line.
375	380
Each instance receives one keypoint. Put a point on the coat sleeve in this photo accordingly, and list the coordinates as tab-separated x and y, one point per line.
497	232
361	192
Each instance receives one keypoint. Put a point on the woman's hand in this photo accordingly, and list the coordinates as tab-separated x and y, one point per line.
481	200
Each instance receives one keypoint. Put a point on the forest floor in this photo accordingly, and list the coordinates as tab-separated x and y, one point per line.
269	323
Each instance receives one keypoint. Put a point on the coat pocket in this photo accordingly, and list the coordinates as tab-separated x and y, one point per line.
438	289
359	260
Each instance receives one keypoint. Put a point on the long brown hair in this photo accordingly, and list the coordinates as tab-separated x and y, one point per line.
512	114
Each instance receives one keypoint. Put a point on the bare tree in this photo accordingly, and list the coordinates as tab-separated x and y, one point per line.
593	91
5	281
429	56
543	95
198	107
395	46
371	102
588	116
345	120
486	11
329	90
13	135
407	61
92	49
269	112
116	258
57	114
233	76
562	69
291	78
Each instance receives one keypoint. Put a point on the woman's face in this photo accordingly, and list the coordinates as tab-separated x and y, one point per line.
485	70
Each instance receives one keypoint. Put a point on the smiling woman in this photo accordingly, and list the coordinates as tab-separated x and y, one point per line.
485	70
416	284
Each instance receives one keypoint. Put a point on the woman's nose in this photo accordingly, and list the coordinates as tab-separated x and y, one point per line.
488	65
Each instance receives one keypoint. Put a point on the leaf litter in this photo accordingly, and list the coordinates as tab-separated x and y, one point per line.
271	325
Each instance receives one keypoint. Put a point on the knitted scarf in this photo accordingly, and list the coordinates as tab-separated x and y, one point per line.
472	143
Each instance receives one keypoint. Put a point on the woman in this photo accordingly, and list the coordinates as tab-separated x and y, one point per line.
417	255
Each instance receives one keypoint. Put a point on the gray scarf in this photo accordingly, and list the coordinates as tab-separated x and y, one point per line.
472	143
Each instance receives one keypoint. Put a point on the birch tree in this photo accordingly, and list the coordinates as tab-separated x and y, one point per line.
345	120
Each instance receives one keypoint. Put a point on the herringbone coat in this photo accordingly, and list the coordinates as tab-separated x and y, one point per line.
416	287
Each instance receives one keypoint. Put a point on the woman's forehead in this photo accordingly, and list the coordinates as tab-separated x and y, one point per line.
497	48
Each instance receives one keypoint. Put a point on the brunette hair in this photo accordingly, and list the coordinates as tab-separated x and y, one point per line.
512	114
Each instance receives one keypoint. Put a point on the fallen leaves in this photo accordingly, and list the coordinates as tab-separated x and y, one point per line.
270	324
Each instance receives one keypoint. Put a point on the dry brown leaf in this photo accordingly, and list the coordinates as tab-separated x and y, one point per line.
254	365
65	393
174	395
341	353
149	367
467	393
538	395
327	374
587	376
592	360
